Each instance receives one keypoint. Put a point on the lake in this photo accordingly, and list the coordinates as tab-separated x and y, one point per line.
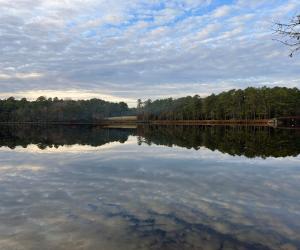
150	187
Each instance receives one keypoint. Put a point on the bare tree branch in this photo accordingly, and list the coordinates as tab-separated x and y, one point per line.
289	34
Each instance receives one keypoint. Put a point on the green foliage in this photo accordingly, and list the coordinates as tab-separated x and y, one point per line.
251	103
58	110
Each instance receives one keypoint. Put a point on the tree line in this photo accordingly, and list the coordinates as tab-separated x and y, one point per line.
58	110
250	103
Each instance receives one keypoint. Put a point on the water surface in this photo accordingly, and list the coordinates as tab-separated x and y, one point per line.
155	187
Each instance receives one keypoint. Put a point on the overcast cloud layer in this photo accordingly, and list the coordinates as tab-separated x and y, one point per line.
124	50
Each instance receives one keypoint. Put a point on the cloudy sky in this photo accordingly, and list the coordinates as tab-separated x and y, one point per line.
123	50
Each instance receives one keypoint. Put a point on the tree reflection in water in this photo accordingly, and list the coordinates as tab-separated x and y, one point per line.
239	140
149	197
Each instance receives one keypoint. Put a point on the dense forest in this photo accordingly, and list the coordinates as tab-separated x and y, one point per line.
251	103
58	110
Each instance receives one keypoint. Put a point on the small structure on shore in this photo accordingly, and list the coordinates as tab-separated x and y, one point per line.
289	121
119	120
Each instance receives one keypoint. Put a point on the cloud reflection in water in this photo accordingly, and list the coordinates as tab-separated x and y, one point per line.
127	196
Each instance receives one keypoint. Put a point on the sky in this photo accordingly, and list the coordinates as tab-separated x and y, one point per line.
121	50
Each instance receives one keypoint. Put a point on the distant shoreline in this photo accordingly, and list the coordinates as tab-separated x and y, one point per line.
264	122
275	122
154	122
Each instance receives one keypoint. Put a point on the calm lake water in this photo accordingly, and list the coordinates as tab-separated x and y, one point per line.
149	188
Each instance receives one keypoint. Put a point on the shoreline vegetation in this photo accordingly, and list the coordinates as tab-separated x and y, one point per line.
284	122
251	106
134	120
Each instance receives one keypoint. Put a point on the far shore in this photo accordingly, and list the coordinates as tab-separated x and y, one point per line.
106	122
261	122
291	122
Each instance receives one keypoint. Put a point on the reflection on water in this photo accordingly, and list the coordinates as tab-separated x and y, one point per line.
121	193
247	141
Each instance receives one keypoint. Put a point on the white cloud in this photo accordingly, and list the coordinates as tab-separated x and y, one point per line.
21	76
137	49
209	30
72	94
221	11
